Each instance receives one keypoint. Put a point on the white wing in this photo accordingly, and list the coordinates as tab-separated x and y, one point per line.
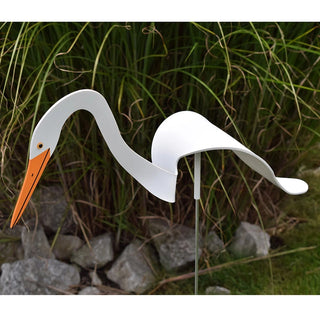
187	132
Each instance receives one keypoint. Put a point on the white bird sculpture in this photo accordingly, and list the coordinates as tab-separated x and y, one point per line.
183	133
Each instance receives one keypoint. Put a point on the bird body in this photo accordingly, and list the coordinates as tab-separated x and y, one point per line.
186	132
181	134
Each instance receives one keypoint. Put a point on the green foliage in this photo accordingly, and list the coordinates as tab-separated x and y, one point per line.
257	81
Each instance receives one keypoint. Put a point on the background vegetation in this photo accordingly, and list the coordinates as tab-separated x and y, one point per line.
257	81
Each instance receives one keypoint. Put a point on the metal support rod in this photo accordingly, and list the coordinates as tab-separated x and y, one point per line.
197	179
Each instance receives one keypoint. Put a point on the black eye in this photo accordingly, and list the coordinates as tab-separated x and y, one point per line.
40	145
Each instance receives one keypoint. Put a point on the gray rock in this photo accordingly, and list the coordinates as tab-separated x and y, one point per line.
214	243
35	243
100	253
66	245
53	209
95	280
250	240
175	245
131	271
89	291
217	290
37	276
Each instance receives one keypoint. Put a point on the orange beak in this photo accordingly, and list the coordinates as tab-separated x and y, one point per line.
35	169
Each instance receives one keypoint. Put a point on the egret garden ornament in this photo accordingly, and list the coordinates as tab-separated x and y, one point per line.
181	134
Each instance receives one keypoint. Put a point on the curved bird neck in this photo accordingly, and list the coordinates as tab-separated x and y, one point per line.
156	180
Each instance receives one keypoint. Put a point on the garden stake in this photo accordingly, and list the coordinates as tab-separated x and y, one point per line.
197	181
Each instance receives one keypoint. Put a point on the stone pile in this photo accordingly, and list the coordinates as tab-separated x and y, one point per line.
31	264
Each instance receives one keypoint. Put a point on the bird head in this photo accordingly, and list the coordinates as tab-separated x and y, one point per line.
42	146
